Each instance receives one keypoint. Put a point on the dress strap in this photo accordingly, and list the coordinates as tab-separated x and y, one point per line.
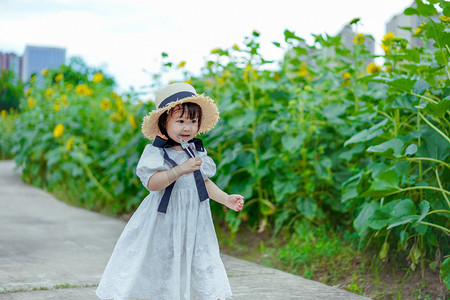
199	181
162	208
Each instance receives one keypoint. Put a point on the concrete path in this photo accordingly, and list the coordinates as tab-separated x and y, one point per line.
50	250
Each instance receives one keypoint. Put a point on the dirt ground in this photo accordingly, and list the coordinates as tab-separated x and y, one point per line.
391	282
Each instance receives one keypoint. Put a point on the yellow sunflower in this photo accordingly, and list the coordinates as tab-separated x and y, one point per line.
58	131
98	77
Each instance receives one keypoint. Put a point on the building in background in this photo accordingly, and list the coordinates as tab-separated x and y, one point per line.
402	20
11	62
398	24
37	58
347	36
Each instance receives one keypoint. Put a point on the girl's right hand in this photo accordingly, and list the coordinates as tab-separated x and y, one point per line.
191	165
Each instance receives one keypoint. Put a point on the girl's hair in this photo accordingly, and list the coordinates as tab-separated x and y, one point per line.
192	111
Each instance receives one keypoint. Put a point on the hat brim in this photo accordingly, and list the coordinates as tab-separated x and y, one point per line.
210	115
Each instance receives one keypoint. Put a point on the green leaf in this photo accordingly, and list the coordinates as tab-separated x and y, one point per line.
269	154
403	220
440	34
405	28
421	229
349	188
424	207
438	110
266	207
244	121
362	221
119	188
384	250
306	207
401	85
404	208
76	171
410	11
411	149
403	238
53	156
332	112
279	220
421	86
291	35
229	155
326	163
445	5
386	213
348	155
283	188
262	169
223	180
383	184
379	219
433	144
244	159
367	134
233	221
392	146
433	266
354	21
55	177
293	143
359	137
415	254
423	9
445	272
405	101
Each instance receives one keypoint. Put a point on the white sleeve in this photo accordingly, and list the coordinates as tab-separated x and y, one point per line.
151	161
208	167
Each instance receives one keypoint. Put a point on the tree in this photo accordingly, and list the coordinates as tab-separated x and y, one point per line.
10	92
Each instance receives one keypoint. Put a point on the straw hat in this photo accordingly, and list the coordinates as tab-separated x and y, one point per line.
173	95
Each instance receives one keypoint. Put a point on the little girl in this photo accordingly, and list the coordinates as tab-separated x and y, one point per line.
169	250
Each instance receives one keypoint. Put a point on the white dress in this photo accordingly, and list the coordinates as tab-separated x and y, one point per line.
170	256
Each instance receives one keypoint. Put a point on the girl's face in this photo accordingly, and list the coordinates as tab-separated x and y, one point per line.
178	125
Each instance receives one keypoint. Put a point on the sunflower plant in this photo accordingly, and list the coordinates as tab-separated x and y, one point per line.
71	124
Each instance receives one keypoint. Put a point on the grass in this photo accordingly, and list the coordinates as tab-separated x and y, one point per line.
333	258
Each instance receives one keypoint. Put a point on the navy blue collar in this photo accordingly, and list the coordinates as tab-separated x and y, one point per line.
162	143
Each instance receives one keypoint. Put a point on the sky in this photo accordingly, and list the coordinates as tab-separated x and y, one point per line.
126	37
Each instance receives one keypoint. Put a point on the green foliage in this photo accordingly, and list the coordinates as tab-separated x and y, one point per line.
330	138
445	272
76	137
11	90
8	131
402	191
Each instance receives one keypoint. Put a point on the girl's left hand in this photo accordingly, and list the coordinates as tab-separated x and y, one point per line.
235	202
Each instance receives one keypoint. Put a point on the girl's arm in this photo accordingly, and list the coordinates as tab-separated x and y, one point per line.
235	202
163	179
